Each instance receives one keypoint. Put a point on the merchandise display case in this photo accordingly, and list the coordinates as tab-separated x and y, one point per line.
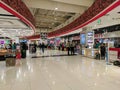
89	52
114	54
3	52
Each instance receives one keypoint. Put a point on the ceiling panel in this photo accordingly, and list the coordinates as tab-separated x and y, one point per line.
11	26
11	23
49	14
2	11
51	5
49	19
77	2
111	18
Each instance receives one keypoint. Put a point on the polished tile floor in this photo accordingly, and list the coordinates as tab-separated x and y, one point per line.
59	73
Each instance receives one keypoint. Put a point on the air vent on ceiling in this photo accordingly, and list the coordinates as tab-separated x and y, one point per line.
3	22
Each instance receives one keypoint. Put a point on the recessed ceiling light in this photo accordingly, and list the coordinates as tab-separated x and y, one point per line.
56	8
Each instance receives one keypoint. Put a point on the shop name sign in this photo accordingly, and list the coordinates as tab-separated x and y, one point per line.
98	36
107	35
90	38
76	38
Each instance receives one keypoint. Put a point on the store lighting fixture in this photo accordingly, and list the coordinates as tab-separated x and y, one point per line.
56	8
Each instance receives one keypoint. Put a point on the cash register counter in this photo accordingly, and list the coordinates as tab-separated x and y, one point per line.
114	54
89	52
2	54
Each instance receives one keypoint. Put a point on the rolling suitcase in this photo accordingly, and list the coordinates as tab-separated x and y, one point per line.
10	61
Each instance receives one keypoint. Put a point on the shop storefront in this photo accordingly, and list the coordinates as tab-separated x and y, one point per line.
91	41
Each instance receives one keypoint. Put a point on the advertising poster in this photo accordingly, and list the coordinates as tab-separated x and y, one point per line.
90	38
2	41
83	39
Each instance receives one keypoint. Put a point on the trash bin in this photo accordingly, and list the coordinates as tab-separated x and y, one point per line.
10	61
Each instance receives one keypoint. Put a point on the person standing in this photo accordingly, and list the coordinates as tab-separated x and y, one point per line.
101	50
106	54
72	48
35	46
9	47
23	50
63	46
14	47
78	49
68	47
42	46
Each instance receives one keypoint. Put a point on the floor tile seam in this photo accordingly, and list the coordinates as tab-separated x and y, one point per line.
58	75
64	82
55	76
46	81
29	82
77	78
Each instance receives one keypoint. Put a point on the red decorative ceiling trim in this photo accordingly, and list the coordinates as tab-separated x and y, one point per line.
17	14
33	37
21	8
96	17
97	10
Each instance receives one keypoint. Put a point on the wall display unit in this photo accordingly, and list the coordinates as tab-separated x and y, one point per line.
2	41
114	54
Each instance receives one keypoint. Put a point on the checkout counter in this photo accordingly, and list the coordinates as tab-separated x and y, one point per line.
89	52
3	52
114	54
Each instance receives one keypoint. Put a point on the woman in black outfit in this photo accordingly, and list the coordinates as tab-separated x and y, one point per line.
42	47
23	50
102	51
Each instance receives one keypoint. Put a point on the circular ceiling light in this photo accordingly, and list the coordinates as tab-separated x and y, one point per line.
56	8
